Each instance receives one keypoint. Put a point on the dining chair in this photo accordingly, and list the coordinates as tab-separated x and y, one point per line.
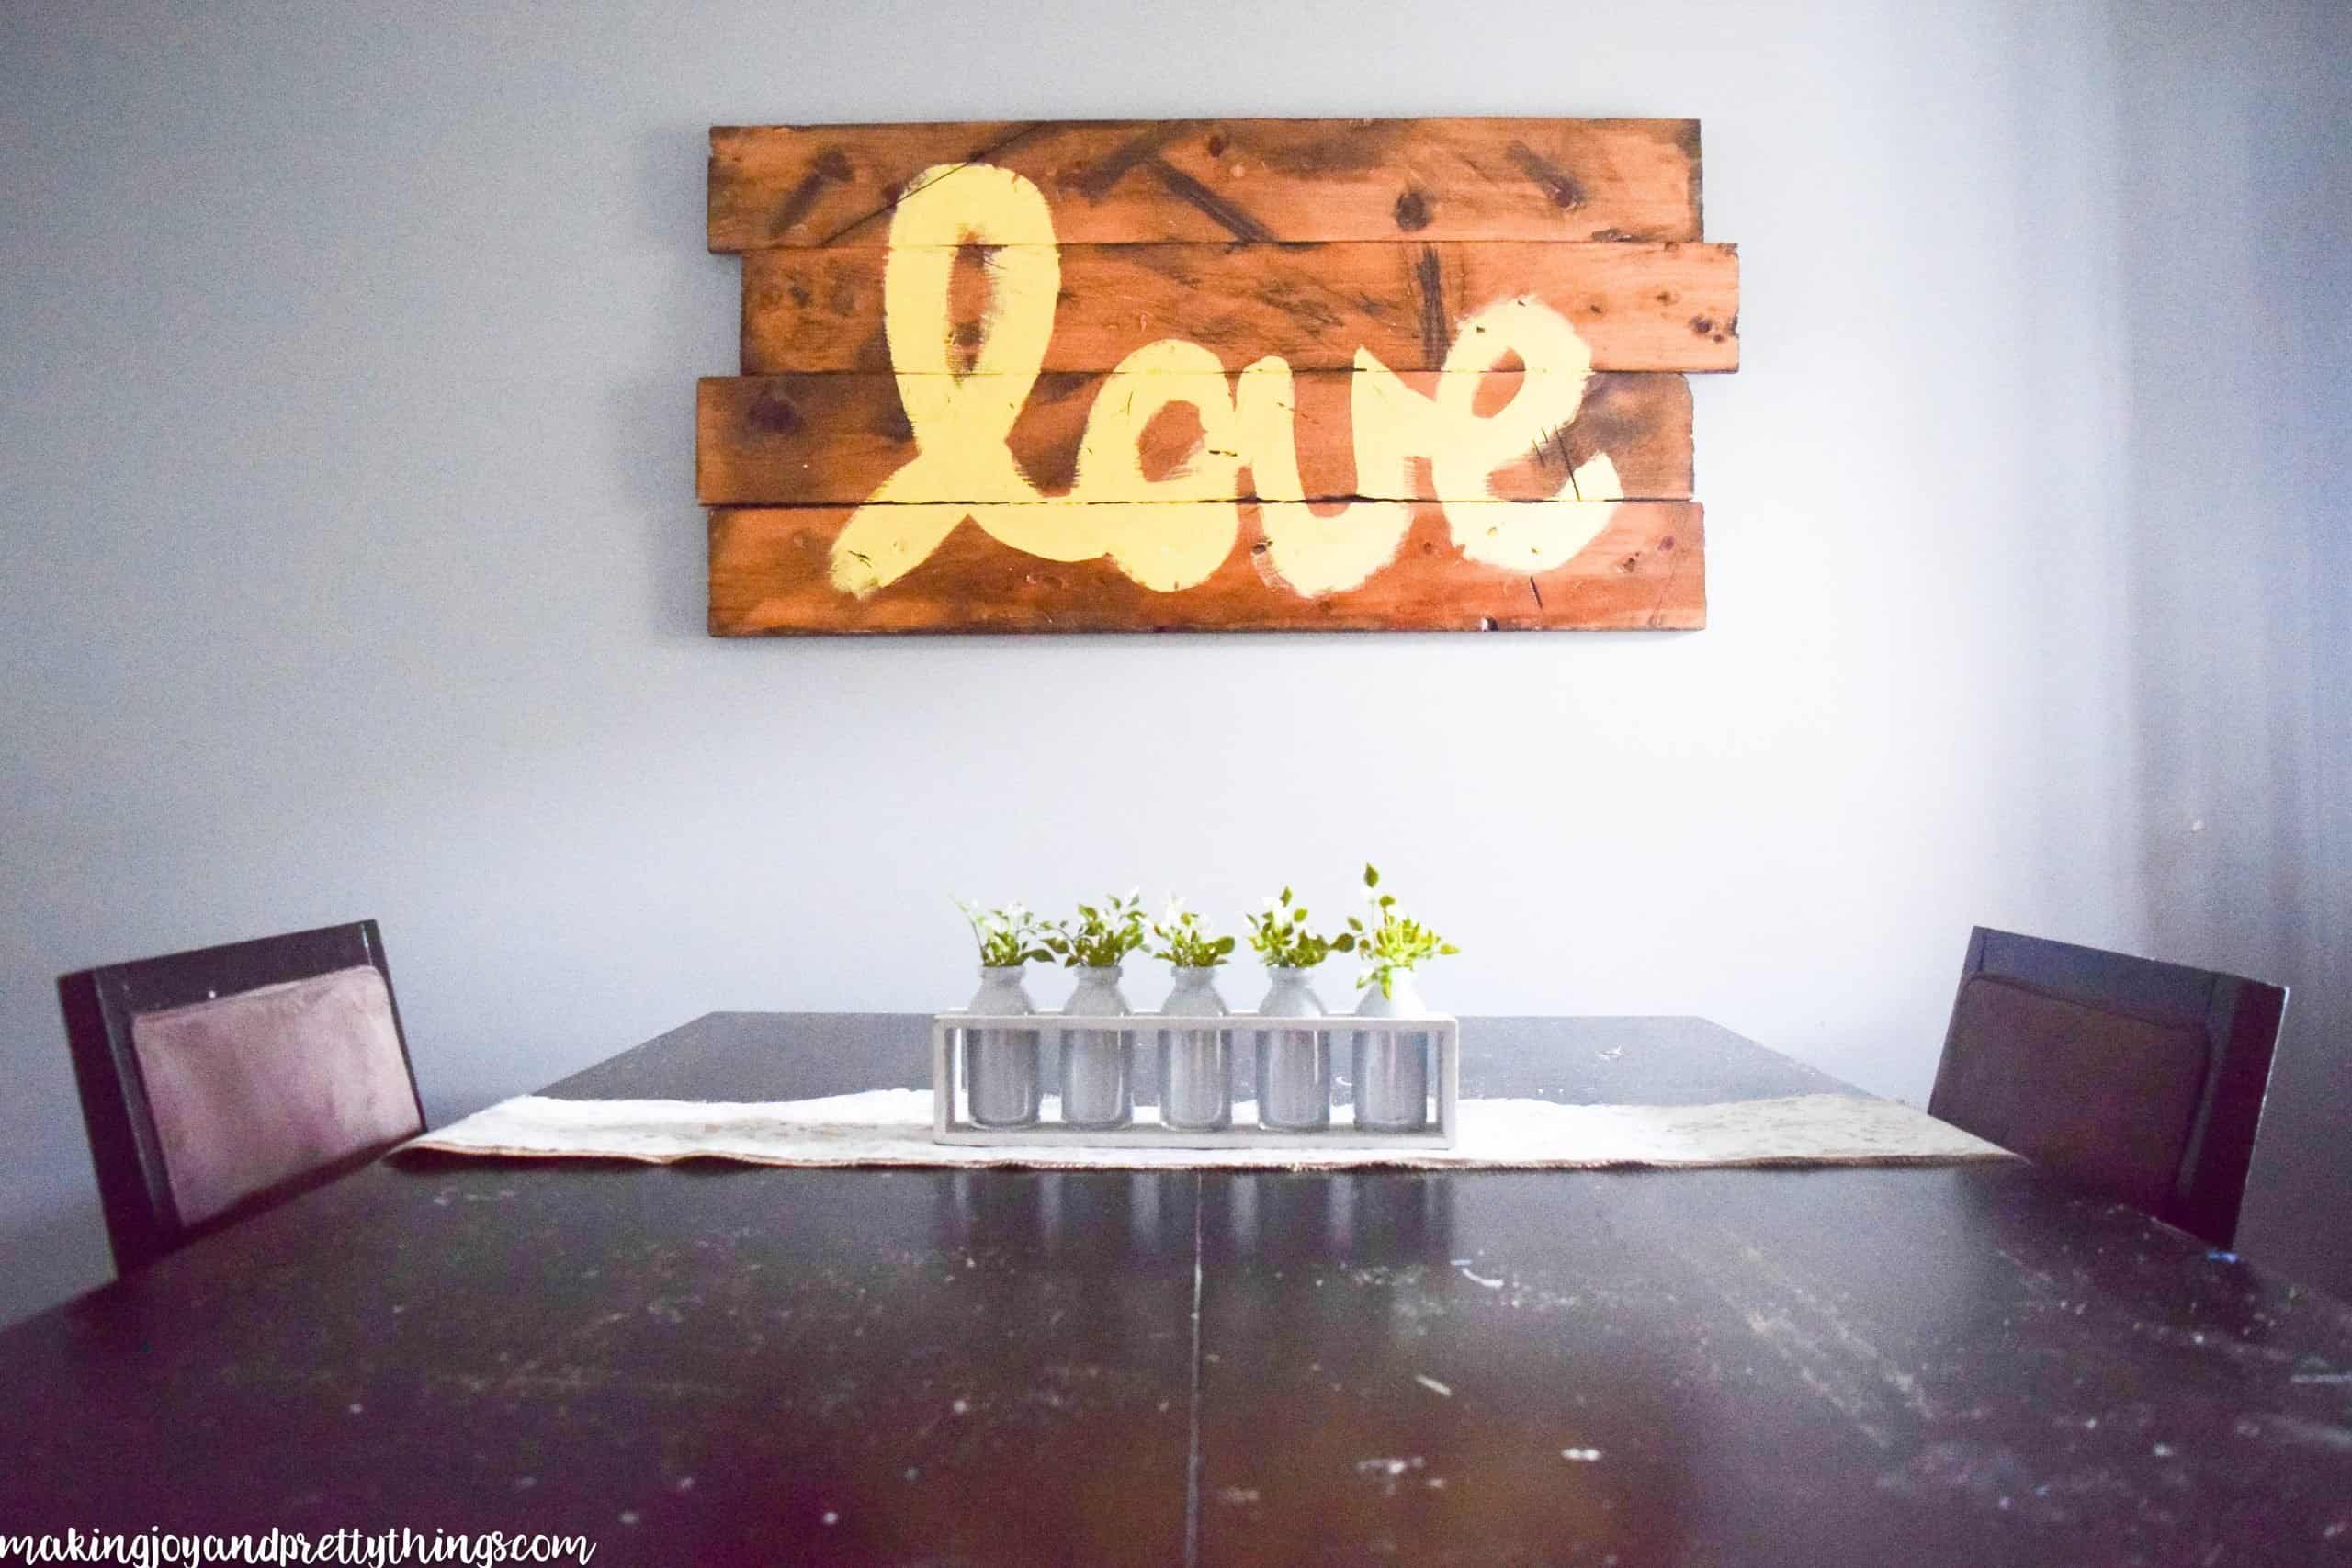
223	1081
2141	1080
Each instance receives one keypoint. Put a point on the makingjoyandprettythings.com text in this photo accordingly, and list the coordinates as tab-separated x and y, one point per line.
374	1549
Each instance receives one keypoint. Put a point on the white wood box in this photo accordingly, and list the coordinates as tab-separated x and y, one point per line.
952	1124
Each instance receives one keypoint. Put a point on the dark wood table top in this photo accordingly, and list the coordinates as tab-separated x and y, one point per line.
714	1364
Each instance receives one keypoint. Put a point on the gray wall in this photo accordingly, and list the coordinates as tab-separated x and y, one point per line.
351	564
2237	264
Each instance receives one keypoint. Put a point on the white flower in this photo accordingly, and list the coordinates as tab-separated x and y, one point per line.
1271	902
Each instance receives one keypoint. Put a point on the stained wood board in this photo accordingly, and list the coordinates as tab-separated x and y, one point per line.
1646	571
820	440
1670	305
1117	182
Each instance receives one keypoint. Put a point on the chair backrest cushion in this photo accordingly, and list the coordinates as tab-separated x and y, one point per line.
253	1089
2102	1096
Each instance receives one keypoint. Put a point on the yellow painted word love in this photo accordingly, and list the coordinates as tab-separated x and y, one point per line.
1172	531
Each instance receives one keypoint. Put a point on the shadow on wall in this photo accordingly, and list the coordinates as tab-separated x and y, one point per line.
2234	242
653	414
51	1255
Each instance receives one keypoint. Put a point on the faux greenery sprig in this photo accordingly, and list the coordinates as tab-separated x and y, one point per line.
1394	942
1006	936
1185	942
1281	939
1100	936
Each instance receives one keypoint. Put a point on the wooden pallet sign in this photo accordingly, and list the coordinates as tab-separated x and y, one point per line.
1211	375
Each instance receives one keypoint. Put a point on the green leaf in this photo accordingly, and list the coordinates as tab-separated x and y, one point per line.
1371	876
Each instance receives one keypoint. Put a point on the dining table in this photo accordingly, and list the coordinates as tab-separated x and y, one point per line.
1964	1363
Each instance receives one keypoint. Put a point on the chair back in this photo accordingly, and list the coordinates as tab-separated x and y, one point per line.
2141	1080
223	1081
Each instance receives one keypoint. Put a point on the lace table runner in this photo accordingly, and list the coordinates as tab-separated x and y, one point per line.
892	1126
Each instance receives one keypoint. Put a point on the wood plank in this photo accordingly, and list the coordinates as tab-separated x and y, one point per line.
770	575
1669	306
1119	182
817	440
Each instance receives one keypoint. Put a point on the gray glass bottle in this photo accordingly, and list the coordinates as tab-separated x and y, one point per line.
1002	1086
1293	1065
1392	1065
1098	1089
1196	1065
